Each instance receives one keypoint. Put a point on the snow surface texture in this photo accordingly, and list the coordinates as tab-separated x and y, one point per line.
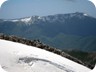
2	70
16	57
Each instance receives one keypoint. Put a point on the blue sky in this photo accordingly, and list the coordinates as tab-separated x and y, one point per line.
12	9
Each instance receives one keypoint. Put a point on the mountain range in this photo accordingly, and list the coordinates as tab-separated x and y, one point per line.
64	31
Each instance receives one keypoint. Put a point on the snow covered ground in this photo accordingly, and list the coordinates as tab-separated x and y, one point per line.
16	57
2	70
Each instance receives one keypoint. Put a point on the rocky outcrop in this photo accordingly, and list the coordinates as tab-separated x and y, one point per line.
39	44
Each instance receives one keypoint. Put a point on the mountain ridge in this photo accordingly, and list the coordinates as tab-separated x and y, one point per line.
62	31
45	18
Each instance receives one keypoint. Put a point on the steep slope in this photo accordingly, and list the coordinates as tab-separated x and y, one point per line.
64	31
15	57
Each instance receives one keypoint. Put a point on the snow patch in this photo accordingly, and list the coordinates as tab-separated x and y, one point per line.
85	14
14	20
26	20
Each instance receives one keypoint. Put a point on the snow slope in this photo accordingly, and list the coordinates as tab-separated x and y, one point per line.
2	70
16	57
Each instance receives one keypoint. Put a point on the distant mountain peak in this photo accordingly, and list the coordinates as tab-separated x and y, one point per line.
50	18
76	14
26	19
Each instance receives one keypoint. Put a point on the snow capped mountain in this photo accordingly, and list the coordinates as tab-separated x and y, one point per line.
50	18
27	20
16	57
